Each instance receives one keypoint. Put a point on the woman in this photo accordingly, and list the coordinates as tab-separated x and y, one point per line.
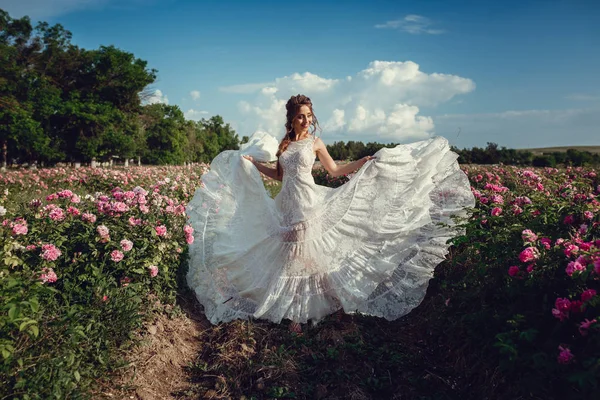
370	245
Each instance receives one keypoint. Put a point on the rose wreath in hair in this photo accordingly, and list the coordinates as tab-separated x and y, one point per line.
292	107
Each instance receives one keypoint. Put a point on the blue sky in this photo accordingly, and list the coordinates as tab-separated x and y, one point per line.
517	73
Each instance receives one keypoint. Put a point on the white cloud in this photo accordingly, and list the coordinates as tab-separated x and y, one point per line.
382	101
195	115
583	97
413	24
157	97
195	94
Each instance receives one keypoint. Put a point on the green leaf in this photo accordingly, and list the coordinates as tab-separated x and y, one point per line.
35	331
34	304
13	312
77	376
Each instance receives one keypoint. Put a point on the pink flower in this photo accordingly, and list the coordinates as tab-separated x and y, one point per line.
513	271
105	298
57	214
588	215
188	229
597	267
529	254
50	252
48	275
161	230
574	266
497	199
530	268
565	356
144	209
569	219
116	255
126	245
529	236
153	270
73	211
189	239
546	243
20	229
588	295
88	217
570	248
102	230
585	325
496	211
134	221
517	210
583	229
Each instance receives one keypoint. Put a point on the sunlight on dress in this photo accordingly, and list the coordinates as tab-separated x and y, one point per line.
368	246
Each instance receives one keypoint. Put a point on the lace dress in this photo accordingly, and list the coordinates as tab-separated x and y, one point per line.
369	246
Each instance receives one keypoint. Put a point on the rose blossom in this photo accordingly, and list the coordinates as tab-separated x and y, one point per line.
513	271
529	254
153	270
88	217
529	236
116	255
48	275
496	211
565	356
127	245
588	295
588	215
20	229
102	230
585	325
50	252
546	243
574	266
161	230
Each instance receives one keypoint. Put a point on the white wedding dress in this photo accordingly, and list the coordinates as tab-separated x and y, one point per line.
370	245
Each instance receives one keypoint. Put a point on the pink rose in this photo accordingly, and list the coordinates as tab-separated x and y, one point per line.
126	245
588	215
48	275
529	254
496	211
546	243
57	214
574	266
50	252
102	230
88	217
153	270
161	230
588	295
585	325
20	229
565	356
529	236
116	255
569	219
513	271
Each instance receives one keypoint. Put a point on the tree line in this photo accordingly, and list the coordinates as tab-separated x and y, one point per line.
60	102
491	154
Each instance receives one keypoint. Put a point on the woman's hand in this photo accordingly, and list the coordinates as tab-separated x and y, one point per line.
364	160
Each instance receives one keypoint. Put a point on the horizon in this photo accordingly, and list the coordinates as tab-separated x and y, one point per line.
519	74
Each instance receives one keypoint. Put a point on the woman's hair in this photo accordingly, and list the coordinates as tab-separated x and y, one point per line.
292	107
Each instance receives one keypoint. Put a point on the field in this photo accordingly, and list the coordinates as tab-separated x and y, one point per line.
546	150
94	303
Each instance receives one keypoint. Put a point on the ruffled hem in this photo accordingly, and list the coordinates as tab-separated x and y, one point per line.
372	247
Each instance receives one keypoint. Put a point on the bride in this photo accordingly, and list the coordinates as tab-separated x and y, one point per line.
368	246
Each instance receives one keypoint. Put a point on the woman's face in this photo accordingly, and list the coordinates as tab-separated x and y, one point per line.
302	121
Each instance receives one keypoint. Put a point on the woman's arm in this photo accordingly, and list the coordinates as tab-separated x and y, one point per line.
270	172
332	168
